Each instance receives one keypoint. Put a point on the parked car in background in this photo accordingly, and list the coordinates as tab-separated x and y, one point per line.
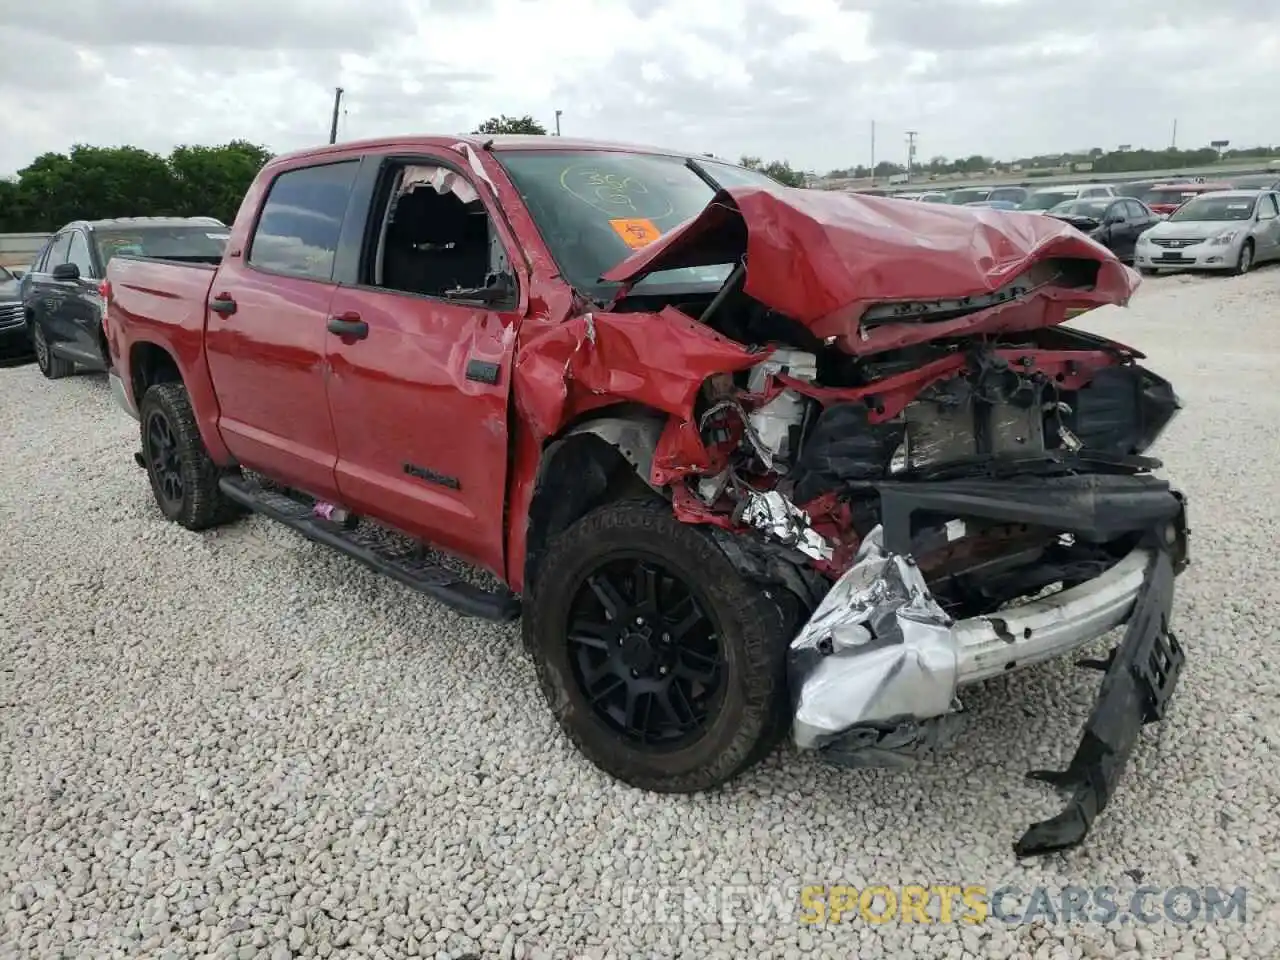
1257	181
933	196
967	195
1114	222
63	295
1225	230
1045	198
1014	195
994	204
15	341
1139	188
1164	198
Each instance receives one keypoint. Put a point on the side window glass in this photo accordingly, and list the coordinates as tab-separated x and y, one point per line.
297	232
37	265
1269	206
79	254
437	239
58	251
1136	210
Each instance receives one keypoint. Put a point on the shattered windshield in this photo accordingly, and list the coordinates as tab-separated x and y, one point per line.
595	208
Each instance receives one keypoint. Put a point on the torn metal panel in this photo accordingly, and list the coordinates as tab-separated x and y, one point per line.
782	520
565	369
877	649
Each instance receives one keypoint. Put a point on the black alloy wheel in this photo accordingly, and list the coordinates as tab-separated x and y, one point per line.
646	655
164	460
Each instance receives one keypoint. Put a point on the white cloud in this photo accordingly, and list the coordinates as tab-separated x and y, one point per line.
797	80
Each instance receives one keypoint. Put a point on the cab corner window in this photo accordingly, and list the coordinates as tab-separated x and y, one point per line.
297	232
436	238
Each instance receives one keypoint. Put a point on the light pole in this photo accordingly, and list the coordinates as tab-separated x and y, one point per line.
558	112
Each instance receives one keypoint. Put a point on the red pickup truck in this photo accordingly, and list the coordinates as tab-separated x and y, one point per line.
745	458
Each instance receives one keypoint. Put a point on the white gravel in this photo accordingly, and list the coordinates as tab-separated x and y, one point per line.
238	744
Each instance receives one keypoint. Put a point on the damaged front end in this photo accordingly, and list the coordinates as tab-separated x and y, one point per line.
950	483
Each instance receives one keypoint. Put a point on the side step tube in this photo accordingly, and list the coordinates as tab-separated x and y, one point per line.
413	571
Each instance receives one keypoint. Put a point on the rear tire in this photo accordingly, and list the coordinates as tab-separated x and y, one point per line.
183	477
52	366
699	650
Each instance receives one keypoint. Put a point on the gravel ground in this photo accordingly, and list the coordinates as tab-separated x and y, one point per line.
239	744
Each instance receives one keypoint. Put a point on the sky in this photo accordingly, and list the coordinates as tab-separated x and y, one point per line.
797	80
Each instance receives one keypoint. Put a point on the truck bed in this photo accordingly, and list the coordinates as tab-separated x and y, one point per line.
146	291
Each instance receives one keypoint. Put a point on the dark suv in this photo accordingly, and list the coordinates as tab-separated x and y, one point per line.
62	295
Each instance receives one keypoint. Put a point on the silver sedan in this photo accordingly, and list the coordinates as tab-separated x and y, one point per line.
1225	230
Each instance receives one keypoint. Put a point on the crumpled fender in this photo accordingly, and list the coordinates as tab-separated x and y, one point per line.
597	359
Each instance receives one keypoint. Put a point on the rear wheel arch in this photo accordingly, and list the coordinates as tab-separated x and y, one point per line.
150	364
597	460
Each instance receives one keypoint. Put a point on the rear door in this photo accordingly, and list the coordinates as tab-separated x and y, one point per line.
44	294
419	389
265	331
76	323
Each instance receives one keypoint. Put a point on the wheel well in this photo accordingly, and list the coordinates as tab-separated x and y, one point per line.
149	365
593	463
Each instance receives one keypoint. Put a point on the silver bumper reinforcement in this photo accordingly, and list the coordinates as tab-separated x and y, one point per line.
879	649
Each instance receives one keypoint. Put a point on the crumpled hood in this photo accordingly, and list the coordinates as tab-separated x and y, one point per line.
10	290
823	258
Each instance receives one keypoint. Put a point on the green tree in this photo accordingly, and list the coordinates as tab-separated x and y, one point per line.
211	181
91	183
505	124
779	170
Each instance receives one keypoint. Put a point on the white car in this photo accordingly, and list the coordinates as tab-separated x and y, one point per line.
1046	198
1225	230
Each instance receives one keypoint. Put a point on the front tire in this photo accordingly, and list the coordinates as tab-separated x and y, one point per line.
661	663
183	477
1245	263
53	367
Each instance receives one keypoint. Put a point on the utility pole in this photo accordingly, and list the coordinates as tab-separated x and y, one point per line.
911	152
558	112
873	153
337	104
1173	141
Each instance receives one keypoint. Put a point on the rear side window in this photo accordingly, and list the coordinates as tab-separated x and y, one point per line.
297	232
79	254
58	250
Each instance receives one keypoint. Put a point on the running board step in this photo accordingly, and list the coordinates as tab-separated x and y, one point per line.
404	566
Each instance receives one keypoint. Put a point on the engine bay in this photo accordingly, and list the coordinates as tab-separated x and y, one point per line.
799	445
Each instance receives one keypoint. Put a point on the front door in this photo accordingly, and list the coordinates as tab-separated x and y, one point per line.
419	377
265	332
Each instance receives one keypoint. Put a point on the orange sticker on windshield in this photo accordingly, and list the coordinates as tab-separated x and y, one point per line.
636	233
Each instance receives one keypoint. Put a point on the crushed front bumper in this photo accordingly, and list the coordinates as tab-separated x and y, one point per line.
876	671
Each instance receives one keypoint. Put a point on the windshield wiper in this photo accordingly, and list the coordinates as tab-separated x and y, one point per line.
703	175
